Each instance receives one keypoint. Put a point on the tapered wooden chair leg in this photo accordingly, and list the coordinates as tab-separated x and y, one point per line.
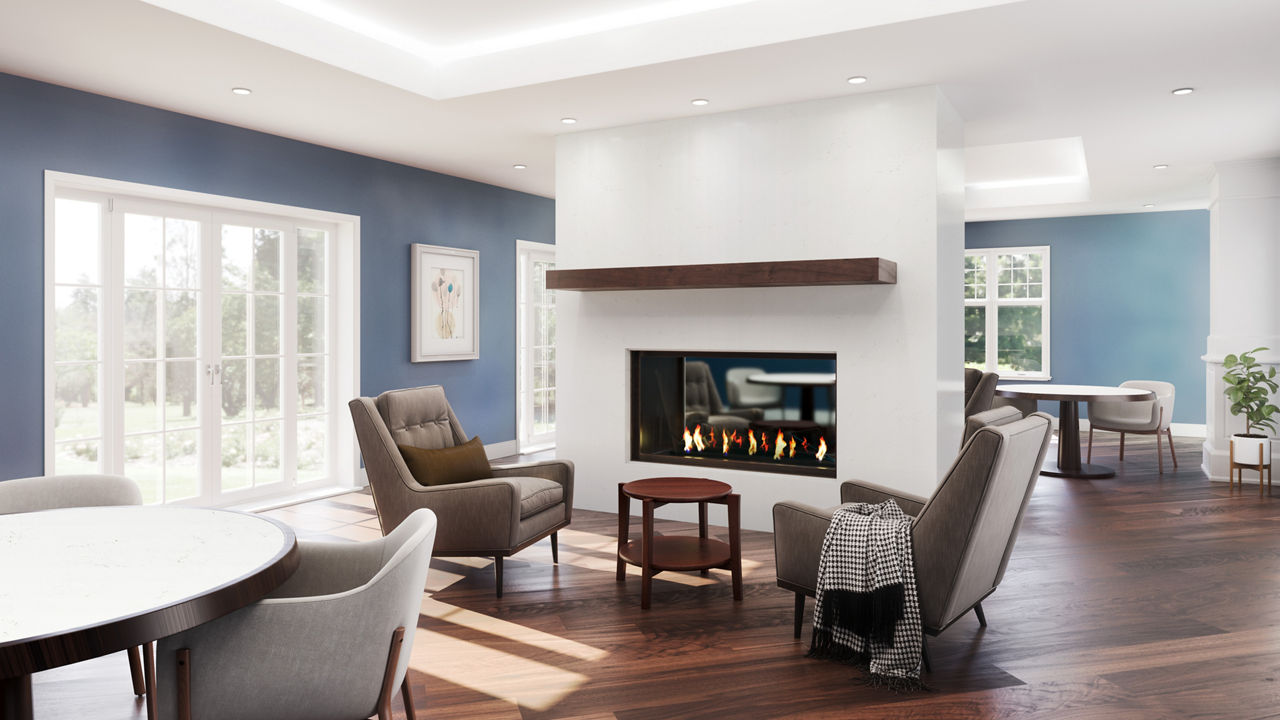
389	675
1121	447
1089	459
1172	454
135	670
406	695
1160	452
799	614
982	617
497	573
555	548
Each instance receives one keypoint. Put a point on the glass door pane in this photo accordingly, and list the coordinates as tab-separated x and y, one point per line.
162	373
77	351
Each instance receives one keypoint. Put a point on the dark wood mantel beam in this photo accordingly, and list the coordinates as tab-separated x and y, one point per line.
785	273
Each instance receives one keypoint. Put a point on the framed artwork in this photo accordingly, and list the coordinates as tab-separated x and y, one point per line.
446	304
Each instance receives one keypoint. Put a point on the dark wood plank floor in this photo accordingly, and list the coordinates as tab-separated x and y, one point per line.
1142	596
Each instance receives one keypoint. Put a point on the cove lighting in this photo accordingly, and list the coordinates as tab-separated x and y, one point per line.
1027	182
700	102
856	80
656	12
1184	91
519	166
241	91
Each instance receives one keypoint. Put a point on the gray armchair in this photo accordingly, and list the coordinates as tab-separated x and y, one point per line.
496	517
962	536
702	404
979	391
64	491
332	643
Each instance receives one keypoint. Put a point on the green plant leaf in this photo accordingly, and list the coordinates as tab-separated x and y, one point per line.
1230	361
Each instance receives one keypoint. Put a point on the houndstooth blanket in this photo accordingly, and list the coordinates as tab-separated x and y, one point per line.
868	612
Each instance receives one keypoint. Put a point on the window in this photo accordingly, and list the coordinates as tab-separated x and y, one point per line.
1006	311
195	347
536	350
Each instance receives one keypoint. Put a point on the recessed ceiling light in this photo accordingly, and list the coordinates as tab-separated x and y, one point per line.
519	166
1184	91
701	101
1161	166
856	80
241	91
568	121
1149	205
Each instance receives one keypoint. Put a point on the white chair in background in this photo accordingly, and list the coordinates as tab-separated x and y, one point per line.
743	394
1152	417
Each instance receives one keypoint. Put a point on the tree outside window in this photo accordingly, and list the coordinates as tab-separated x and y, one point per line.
1006	314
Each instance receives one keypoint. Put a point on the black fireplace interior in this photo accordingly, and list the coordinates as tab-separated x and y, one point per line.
765	412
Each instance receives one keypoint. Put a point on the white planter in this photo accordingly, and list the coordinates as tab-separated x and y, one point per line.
1244	450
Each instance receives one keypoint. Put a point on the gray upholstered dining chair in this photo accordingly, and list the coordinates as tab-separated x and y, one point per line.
962	536
702	404
979	390
743	394
51	492
1149	417
494	517
332	643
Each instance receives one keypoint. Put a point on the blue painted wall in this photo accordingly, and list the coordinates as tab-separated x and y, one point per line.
1129	297
46	127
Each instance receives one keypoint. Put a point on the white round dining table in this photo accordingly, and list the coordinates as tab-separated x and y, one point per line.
1069	397
78	583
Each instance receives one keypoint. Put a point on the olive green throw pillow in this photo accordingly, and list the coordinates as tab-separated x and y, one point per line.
460	463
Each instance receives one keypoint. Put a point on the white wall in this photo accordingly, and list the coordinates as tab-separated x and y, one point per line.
868	175
1244	292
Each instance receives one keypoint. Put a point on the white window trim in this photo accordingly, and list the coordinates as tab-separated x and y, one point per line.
344	303
992	303
525	251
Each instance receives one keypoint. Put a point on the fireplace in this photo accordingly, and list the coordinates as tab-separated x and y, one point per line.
762	412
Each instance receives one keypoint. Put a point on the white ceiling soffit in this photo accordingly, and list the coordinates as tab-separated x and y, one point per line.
445	49
1038	172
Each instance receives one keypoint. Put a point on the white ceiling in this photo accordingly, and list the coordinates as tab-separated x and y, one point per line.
470	88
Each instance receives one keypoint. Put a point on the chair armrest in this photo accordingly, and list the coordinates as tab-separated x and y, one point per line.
559	471
798	533
326	568
476	515
870	493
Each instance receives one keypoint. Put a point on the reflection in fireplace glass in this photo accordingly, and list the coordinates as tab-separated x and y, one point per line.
772	412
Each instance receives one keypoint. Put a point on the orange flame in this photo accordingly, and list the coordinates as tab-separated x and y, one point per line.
688	441
780	446
822	448
724	441
793	446
751	439
697	438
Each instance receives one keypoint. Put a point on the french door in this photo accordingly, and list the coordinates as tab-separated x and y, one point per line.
190	347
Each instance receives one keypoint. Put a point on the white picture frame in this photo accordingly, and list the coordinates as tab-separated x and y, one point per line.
445	315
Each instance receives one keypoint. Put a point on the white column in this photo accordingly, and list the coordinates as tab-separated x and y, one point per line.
1244	288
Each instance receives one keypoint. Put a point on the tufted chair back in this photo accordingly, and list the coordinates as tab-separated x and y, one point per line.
420	417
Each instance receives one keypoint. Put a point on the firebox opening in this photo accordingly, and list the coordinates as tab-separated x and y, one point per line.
764	412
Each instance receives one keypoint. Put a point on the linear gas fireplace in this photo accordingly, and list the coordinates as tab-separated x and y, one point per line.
765	412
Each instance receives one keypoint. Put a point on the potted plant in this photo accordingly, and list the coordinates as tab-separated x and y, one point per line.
1248	388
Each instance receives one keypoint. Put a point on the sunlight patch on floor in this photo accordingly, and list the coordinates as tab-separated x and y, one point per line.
509	630
528	683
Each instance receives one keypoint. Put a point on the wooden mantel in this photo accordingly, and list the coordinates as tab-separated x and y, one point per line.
784	273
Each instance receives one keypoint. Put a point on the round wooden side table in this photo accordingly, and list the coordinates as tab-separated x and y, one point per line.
677	552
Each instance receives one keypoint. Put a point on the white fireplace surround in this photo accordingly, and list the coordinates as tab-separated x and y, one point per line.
871	175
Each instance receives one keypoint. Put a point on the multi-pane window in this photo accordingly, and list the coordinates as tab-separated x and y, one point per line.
1006	313
536	315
